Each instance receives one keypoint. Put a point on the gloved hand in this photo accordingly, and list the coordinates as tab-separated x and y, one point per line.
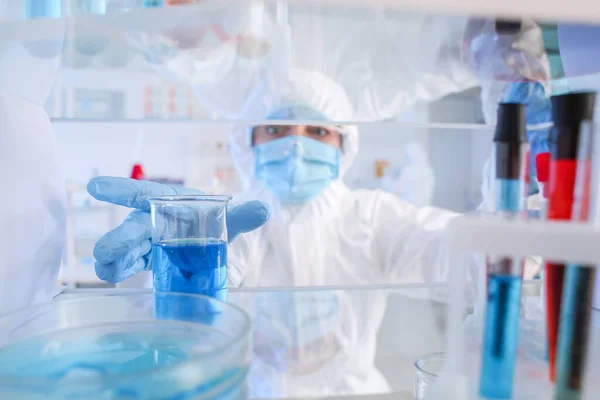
125	251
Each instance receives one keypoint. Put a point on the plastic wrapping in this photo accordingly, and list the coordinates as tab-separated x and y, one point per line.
511	63
227	52
502	50
501	53
237	49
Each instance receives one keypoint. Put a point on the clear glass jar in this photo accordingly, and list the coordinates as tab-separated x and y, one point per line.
427	369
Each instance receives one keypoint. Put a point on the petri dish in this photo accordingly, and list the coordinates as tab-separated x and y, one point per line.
427	369
126	346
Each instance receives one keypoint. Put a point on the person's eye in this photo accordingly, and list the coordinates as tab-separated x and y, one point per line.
273	130
318	131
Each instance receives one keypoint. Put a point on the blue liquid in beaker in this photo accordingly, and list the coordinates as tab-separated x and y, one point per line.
196	266
120	361
500	337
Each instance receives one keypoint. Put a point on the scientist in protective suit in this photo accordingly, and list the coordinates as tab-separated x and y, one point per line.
293	176
320	233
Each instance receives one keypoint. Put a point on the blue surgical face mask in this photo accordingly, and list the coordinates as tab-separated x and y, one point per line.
296	168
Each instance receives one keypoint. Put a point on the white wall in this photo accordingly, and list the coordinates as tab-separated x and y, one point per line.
380	142
109	147
458	155
172	150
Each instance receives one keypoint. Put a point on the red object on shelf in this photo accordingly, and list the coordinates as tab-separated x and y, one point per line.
137	172
542	166
542	163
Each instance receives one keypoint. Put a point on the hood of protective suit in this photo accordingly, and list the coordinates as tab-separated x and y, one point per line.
304	90
341	237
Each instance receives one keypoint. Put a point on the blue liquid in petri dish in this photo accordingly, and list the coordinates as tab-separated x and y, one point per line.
500	337
197	266
120	361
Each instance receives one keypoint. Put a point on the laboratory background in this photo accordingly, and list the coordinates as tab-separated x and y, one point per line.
197	153
450	253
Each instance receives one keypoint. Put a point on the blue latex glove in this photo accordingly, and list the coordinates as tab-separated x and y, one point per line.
125	251
538	111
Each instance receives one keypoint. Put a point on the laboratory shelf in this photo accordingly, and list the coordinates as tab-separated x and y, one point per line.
215	47
413	323
14	26
155	58
555	240
78	274
579	10
254	122
157	19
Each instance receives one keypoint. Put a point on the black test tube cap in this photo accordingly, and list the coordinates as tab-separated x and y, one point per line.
511	125
507	26
568	112
572	108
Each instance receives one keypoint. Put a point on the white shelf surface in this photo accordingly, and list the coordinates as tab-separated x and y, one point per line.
552	10
167	18
81	274
559	241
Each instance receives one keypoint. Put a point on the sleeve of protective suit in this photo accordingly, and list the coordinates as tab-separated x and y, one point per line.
32	213
412	242
238	258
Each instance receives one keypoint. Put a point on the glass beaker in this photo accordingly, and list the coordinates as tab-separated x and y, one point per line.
189	244
428	367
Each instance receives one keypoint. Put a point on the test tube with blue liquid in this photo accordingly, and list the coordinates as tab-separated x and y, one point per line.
504	274
189	248
573	348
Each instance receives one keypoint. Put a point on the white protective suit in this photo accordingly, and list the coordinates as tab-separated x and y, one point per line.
415	181
32	209
341	237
